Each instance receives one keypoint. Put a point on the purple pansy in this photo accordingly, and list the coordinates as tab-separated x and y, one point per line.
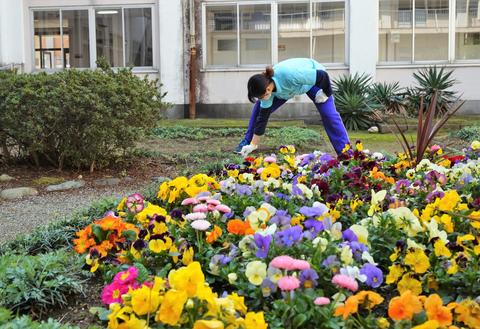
374	275
263	244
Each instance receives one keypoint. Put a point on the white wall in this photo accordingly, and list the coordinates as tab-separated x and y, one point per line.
363	37
11	32
172	64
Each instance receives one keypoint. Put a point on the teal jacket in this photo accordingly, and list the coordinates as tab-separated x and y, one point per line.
293	77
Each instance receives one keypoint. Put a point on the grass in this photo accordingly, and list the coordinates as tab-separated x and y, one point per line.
227	123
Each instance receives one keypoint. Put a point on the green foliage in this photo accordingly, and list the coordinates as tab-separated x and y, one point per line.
25	322
58	234
38	283
354	101
76	118
390	96
429	81
286	135
468	134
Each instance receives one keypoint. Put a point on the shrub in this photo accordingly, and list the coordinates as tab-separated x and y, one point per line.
390	96
76	118
37	283
354	101
7	321
468	134
429	81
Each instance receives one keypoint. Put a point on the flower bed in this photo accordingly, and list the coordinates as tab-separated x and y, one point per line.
297	241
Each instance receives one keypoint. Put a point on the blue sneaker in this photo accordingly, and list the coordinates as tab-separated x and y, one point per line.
241	145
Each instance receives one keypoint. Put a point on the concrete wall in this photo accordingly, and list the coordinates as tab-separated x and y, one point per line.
11	32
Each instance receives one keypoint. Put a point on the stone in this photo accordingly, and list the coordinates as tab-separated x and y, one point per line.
373	130
160	179
107	181
17	192
68	185
5	178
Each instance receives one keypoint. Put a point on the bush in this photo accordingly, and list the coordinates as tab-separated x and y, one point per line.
390	96
429	81
354	101
25	322
76	118
468	134
37	283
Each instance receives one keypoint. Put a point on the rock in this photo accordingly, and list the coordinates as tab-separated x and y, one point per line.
373	130
18	192
129	179
5	178
160	179
107	181
68	185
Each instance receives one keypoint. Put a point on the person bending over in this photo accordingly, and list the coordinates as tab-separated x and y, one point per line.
271	89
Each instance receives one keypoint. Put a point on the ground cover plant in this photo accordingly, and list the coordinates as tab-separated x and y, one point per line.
288	240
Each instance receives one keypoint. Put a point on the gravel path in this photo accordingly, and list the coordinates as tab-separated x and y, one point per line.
22	216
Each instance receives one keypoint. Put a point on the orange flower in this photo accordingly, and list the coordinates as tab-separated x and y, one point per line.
369	299
350	307
403	307
375	174
436	310
214	234
240	227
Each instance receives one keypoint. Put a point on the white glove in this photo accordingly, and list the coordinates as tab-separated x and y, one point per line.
247	149
320	97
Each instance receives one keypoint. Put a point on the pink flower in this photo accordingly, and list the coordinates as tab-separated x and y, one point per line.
344	281
126	277
321	301
201	224
223	208
211	207
200	208
113	292
283	262
135	203
189	201
301	264
288	283
259	170
215	202
270	159
203	198
195	215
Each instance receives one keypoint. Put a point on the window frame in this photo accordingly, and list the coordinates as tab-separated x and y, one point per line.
274	33
451	51
91	9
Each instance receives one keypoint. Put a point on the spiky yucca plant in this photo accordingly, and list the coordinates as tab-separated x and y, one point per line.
429	81
390	96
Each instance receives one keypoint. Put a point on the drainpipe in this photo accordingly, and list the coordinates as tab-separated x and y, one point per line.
192	111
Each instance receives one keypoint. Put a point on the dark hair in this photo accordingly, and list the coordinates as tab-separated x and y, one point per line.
258	83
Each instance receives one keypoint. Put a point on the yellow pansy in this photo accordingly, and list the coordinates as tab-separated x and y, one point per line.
255	321
172	306
208	324
441	249
147	213
417	260
159	245
187	278
272	171
409	283
118	312
144	300
394	274
256	271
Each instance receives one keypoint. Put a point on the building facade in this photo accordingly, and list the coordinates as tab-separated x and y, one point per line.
388	39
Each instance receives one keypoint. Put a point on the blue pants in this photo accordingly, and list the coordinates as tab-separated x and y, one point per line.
330	118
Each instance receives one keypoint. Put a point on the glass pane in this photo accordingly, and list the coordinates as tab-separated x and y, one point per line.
138	37
221	35
47	40
467	38
108	26
431	30
395	31
255	34
293	30
328	28
76	38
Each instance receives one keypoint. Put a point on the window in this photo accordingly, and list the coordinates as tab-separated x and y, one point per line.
243	34
62	38
328	28
62	45
424	30
467	30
